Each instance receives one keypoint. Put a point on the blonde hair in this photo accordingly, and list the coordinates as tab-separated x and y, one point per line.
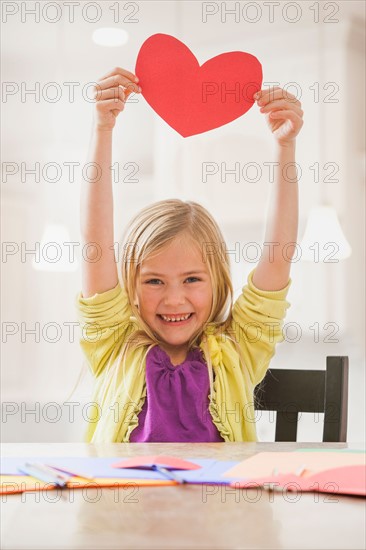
151	230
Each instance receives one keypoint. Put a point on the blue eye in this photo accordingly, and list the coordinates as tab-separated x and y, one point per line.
152	280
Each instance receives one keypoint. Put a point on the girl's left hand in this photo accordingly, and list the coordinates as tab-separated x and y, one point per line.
283	113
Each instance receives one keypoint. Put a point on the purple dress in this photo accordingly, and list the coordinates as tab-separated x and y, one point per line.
176	404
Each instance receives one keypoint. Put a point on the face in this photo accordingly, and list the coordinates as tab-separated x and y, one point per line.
174	283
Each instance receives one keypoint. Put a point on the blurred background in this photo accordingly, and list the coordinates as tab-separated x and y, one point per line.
49	62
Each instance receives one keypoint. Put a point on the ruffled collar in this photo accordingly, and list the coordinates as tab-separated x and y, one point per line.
214	350
194	354
197	353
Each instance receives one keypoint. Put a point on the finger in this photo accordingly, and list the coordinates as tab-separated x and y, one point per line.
281	103
110	93
116	80
128	93
279	93
263	92
131	89
287	114
274	92
122	72
107	105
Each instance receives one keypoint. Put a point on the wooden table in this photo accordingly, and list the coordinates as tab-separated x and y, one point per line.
189	516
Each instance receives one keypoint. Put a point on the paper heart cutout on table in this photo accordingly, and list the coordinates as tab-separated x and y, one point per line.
169	462
191	98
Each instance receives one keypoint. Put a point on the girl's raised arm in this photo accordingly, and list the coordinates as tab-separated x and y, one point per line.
99	270
284	117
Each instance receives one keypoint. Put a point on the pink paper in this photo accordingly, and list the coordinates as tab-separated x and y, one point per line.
348	480
263	464
169	462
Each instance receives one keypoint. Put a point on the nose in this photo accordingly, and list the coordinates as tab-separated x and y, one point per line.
174	297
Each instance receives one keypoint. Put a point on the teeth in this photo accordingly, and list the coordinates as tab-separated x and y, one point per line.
173	319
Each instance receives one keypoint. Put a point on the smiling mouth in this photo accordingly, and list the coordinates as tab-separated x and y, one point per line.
179	320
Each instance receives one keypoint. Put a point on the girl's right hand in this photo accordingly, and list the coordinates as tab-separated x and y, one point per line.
111	93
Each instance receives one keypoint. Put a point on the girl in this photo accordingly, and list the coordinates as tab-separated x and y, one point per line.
173	358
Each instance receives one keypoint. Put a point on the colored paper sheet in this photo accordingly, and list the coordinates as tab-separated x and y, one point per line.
20	484
118	482
88	466
208	470
317	450
347	480
191	98
211	472
264	464
169	462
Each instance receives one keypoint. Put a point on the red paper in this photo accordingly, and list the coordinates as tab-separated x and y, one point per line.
191	98
347	480
169	462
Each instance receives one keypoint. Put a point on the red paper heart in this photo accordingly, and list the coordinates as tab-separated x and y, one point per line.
194	99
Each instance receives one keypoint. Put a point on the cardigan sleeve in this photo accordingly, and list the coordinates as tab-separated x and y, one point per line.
257	322
105	321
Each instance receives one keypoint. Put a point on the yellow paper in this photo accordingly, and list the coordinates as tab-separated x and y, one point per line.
20	484
116	481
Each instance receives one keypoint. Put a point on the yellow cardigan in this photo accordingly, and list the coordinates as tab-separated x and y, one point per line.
113	413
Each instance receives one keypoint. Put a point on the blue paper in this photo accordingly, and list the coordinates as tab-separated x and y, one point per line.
210	472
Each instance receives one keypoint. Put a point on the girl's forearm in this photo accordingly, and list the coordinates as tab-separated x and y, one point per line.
96	216
99	270
284	117
283	212
273	269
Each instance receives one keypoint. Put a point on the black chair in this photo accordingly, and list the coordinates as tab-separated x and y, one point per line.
290	392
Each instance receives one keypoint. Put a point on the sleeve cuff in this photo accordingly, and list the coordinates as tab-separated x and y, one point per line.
99	298
274	294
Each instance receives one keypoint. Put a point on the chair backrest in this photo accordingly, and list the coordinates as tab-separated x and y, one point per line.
290	392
